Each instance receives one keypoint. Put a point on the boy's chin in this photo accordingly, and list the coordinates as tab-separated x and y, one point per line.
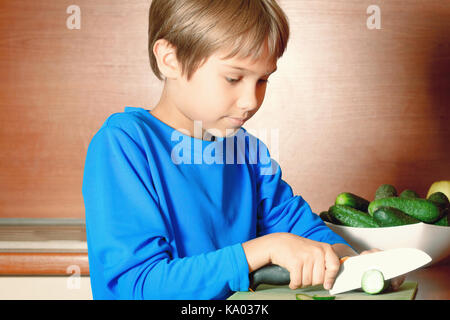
227	133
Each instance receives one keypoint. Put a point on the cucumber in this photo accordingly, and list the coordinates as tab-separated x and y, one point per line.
421	209
372	282
270	274
444	221
352	200
328	217
385	191
439	199
409	194
390	217
352	217
324	216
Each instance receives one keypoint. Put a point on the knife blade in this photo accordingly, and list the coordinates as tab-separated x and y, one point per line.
392	263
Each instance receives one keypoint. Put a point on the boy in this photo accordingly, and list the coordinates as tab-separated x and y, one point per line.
165	224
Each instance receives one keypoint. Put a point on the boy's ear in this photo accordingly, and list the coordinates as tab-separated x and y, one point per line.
166	57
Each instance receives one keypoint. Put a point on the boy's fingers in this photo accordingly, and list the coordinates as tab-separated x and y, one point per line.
370	251
318	272
307	274
296	278
332	266
397	282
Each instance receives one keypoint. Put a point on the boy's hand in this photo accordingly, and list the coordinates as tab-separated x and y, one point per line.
309	262
395	282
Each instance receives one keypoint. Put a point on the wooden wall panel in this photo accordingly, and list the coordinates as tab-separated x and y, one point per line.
353	107
363	107
57	86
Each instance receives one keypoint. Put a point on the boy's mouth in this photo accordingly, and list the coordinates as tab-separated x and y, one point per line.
237	121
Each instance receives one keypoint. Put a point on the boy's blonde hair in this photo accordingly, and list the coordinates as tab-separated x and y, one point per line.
198	28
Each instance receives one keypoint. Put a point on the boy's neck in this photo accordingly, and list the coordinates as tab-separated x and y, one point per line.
171	116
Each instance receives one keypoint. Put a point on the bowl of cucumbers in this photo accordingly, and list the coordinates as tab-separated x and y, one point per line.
393	221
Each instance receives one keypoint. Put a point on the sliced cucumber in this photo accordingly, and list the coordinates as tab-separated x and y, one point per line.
372	282
328	297
302	296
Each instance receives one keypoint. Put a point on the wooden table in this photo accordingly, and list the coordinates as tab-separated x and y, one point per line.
44	259
48	247
434	281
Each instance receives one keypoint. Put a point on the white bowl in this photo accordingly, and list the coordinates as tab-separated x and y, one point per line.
432	239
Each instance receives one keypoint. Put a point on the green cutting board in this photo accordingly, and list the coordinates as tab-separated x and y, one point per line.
271	292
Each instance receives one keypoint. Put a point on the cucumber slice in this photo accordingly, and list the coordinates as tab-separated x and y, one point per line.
302	296
372	282
317	297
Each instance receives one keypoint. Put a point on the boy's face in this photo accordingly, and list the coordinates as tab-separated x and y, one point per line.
220	94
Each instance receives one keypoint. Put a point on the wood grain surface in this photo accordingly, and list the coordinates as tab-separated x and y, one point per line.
43	247
434	282
43	263
352	107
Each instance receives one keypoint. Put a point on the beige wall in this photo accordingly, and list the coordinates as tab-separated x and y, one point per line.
45	288
353	107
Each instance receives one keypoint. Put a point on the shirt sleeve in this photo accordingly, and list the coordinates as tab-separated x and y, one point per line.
128	237
279	210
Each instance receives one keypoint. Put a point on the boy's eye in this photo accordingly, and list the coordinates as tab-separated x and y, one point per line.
231	80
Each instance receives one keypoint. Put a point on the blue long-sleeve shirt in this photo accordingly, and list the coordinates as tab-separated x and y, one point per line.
166	214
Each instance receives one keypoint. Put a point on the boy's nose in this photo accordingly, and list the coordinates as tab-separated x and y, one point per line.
249	100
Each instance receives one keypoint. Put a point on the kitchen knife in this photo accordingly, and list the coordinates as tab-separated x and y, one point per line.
392	263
